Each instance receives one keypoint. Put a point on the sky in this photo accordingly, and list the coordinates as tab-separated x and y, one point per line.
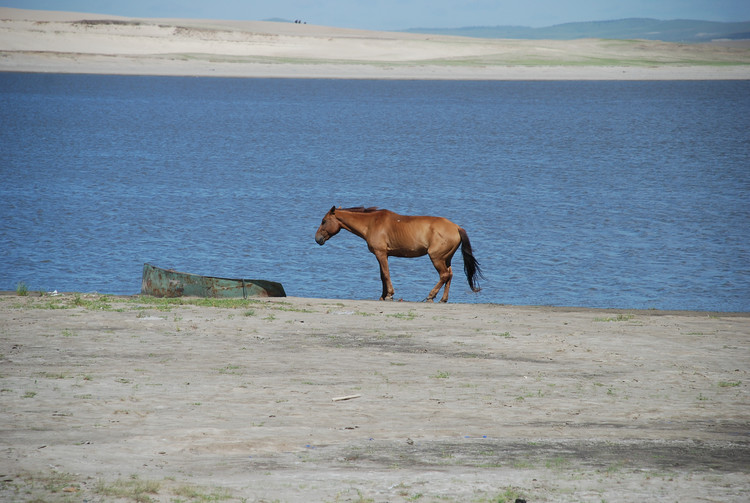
403	14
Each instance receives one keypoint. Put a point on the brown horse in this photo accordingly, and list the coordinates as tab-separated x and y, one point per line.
389	234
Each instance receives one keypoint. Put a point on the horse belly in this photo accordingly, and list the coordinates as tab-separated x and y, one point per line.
408	252
408	243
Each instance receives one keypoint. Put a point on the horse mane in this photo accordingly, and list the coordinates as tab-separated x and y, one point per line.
361	209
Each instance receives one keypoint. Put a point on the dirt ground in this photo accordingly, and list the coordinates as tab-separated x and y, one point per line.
106	398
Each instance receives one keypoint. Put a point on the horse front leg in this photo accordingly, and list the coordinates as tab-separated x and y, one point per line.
385	277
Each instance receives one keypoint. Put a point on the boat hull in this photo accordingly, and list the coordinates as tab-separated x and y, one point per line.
160	282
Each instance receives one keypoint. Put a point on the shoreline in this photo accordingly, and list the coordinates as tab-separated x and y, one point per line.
187	300
67	42
47	65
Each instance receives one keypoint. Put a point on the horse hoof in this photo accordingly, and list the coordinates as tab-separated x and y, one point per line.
428	300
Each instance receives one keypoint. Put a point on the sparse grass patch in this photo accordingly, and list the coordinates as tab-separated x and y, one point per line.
133	489
510	495
93	302
729	384
65	487
286	306
57	482
619	317
22	289
200	494
557	463
53	375
347	495
167	303
614	468
97	302
230	370
522	464
88	301
141	303
56	303
38	488
412	314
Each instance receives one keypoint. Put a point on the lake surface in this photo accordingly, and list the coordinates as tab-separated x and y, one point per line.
599	194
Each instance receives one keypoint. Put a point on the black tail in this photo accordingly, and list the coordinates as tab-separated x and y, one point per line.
471	266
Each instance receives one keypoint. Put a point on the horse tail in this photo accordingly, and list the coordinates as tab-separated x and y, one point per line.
471	266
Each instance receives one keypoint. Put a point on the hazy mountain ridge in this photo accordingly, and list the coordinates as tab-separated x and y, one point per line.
676	30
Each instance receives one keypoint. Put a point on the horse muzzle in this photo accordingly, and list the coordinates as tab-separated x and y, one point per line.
320	239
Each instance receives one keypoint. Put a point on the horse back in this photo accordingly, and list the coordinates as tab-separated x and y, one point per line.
410	235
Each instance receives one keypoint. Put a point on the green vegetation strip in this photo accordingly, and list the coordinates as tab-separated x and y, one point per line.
101	302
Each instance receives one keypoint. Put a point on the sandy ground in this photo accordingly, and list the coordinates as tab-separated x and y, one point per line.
64	42
108	398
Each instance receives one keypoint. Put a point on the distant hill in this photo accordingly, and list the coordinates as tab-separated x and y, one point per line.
677	30
277	20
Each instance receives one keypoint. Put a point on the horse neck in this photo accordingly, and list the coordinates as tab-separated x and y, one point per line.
355	222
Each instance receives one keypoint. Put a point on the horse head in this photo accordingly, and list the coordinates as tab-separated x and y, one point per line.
329	227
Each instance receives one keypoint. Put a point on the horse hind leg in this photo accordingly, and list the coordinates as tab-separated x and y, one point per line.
447	288
446	274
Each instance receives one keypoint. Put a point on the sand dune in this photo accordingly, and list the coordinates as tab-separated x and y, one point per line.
48	41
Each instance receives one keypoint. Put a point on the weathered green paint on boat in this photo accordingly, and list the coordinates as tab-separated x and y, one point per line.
170	283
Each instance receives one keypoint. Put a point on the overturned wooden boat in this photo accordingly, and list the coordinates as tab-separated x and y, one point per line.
170	283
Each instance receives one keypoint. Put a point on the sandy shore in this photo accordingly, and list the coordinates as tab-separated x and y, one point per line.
117	397
64	42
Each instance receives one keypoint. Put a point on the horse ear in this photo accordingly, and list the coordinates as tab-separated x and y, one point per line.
333	209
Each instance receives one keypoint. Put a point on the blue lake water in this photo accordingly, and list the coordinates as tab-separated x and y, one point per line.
599	194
